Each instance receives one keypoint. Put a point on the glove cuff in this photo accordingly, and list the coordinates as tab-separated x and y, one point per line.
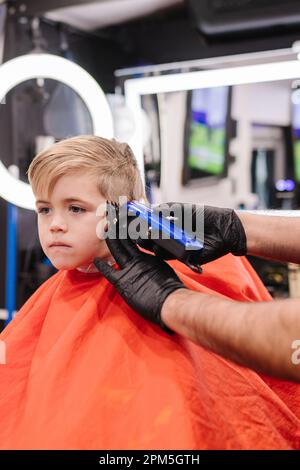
166	293
240	246
165	328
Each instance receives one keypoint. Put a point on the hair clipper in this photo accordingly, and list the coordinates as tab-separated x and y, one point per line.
164	232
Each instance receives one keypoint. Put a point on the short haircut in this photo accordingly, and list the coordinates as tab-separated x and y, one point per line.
112	163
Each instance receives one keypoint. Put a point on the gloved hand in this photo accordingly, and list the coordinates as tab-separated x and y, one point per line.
223	233
144	281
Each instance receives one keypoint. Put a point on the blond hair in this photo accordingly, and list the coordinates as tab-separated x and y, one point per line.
112	162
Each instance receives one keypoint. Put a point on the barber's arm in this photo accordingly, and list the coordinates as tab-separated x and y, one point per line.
272	237
263	336
256	335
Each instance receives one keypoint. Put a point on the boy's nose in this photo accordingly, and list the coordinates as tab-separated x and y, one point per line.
58	226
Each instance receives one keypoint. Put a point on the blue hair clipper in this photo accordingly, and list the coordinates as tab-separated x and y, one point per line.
164	232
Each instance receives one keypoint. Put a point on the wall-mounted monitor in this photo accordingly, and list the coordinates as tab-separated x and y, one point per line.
207	132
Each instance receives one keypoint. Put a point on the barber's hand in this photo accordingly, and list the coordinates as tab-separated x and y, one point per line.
223	233
144	281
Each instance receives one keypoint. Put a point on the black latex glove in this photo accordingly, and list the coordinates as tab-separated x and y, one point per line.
144	281
223	233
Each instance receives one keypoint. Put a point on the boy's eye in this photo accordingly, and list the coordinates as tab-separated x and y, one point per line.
43	210
76	209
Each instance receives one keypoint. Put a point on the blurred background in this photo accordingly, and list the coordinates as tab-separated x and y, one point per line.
231	144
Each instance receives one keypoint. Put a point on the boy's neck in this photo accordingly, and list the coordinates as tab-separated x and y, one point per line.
91	268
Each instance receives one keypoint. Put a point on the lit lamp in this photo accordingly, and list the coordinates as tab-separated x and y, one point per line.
30	66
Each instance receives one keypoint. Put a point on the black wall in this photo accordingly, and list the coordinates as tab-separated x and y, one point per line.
172	36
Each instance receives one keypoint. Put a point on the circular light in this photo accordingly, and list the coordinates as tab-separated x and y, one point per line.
285	185
280	185
29	66
289	185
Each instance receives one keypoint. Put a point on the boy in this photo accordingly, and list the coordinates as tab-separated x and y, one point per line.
68	226
84	371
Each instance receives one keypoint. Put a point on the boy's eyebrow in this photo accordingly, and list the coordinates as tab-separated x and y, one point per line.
68	199
40	201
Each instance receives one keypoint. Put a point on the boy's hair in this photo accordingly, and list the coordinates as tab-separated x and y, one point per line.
112	162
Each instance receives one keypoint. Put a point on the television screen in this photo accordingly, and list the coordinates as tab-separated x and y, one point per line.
206	139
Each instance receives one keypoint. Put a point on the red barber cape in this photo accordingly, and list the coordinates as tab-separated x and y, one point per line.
84	371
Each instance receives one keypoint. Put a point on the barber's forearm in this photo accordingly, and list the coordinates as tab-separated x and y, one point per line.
255	335
272	237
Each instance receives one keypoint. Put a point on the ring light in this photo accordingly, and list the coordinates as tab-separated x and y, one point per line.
31	66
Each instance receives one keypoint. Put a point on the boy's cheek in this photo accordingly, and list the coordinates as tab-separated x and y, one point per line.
43	242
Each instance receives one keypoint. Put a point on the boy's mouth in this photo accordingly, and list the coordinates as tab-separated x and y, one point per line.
59	244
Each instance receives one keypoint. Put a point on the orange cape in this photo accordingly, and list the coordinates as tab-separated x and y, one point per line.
84	371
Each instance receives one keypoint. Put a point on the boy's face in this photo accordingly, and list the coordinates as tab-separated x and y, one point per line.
69	217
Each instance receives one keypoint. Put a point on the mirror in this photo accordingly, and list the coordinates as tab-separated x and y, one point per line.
228	137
